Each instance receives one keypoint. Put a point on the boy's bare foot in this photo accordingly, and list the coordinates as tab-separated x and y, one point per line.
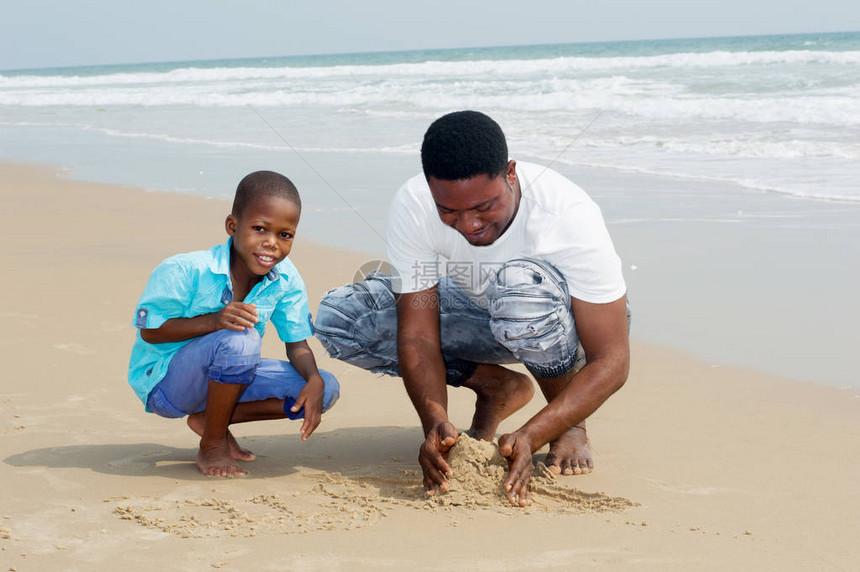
570	454
500	392
196	422
215	461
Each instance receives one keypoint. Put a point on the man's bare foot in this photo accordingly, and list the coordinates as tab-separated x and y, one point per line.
196	423
215	461
570	454
500	392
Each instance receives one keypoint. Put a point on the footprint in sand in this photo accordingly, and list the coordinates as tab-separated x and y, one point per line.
260	514
112	327
144	461
29	320
75	349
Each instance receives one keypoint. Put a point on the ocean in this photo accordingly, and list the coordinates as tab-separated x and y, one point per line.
742	135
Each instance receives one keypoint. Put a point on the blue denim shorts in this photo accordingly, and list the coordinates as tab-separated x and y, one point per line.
229	356
526	317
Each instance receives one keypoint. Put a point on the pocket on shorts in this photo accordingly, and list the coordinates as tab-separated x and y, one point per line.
375	292
160	405
538	334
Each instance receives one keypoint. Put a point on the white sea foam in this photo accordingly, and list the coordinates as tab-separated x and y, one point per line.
748	148
649	98
517	68
834	110
224	144
696	171
786	121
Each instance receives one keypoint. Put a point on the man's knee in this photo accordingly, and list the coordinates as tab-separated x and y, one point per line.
528	297
341	309
529	277
357	323
333	322
530	315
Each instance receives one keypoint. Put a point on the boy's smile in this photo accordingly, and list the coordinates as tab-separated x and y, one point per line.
262	237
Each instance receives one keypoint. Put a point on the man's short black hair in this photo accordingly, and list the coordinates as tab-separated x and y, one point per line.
264	184
464	144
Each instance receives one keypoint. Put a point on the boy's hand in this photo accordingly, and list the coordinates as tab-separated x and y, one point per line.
311	398
517	448
236	316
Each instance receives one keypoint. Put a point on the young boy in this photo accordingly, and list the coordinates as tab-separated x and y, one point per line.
200	321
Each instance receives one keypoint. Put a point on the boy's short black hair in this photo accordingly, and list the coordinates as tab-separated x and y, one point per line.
464	144
264	184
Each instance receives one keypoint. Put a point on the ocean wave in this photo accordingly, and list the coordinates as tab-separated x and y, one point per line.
794	149
741	146
440	69
828	192
394	150
635	101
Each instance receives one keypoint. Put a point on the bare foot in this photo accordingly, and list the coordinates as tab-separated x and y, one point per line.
215	461
196	422
570	454
500	392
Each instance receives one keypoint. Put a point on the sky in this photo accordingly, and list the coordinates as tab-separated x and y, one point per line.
58	33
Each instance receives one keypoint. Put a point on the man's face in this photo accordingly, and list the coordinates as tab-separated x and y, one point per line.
480	208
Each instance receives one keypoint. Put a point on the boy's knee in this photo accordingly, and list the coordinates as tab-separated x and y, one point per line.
331	392
237	356
244	342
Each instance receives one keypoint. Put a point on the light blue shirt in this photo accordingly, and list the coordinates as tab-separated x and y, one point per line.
195	283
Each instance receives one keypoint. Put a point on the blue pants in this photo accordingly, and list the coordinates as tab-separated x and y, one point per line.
228	356
526	317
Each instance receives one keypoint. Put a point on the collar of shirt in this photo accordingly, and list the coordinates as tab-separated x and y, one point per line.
221	265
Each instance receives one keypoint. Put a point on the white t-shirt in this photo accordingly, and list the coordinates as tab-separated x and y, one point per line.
556	221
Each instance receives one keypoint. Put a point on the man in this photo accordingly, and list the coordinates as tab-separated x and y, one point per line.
532	277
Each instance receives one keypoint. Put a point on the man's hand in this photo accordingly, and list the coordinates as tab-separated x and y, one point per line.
236	316
433	454
517	449
311	398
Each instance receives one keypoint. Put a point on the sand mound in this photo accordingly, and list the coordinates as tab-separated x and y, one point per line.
479	471
478	476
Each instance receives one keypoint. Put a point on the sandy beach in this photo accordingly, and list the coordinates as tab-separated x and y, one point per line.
719	467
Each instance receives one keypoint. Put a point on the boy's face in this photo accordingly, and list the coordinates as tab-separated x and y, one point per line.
262	235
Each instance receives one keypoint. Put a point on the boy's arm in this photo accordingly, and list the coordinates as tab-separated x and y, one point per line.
311	396
234	316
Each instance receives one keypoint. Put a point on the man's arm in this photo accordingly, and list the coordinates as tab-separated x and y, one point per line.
419	354
603	333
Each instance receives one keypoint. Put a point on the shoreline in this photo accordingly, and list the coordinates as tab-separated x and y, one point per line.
713	271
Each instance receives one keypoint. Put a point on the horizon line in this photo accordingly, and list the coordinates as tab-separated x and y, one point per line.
18	71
